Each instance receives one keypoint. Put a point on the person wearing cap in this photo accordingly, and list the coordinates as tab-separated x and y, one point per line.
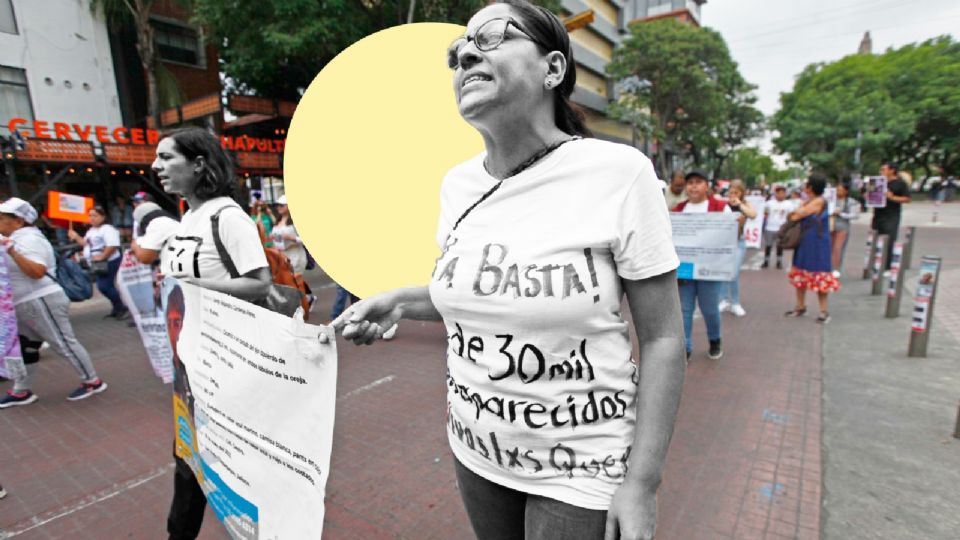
154	227
699	291
138	198
42	308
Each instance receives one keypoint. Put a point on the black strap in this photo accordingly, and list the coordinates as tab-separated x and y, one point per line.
142	228
516	170
224	255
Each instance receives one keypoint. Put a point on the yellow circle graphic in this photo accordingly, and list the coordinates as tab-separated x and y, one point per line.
367	149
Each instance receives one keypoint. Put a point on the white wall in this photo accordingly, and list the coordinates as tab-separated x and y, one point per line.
61	40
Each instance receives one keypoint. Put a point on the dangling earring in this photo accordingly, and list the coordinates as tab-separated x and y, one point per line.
548	84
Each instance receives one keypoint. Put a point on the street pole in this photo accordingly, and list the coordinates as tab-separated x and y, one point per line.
908	247
871	247
879	263
923	306
895	283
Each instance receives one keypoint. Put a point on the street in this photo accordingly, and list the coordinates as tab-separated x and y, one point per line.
800	430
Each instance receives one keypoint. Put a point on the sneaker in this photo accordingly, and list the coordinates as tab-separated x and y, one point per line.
14	399
766	264
44	346
716	350
836	274
122	315
87	389
311	300
724	306
824	318
390	333
688	354
3	492
779	265
737	310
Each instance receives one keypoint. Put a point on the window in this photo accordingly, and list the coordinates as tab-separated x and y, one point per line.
8	23
14	95
177	43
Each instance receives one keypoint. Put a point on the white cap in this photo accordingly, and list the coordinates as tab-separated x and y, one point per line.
143	209
282	200
20	208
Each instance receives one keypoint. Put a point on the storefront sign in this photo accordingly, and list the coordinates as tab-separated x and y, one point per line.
42	129
248	144
56	151
129	154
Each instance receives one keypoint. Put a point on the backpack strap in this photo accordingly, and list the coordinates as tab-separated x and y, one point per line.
224	255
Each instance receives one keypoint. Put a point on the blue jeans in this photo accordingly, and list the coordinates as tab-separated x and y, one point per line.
708	293
731	289
500	513
106	286
340	303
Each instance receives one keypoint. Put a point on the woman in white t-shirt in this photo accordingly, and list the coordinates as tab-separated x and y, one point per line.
541	236
192	163
284	236
101	249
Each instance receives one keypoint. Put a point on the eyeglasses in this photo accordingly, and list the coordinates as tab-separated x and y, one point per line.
487	38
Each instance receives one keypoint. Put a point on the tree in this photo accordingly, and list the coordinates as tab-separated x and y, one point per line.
137	12
678	85
901	105
290	41
752	166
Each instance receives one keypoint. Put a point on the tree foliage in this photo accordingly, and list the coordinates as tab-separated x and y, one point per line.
901	105
753	167
275	48
680	87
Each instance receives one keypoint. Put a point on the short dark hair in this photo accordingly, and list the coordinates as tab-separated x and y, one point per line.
546	29
98	208
893	165
217	178
817	184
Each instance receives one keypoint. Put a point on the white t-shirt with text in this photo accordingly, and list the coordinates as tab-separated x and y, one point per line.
702	208
777	212
541	387
98	239
191	252
30	243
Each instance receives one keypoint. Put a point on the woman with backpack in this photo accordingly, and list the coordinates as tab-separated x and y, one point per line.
215	246
43	310
102	250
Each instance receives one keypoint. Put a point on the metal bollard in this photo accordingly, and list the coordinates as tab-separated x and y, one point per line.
923	306
871	247
879	263
895	282
909	236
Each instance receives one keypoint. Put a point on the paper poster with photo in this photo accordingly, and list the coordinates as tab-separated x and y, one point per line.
706	245
753	228
830	195
875	191
254	397
139	291
11	359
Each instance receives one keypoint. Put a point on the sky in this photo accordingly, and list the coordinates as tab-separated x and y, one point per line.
773	40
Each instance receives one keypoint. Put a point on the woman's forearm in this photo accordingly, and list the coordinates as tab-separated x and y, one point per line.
415	304
251	287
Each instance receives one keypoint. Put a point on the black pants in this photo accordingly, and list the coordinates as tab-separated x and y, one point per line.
189	503
889	227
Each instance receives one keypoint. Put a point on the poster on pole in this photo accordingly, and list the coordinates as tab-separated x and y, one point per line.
138	290
706	245
11	361
875	191
926	284
753	228
830	195
254	397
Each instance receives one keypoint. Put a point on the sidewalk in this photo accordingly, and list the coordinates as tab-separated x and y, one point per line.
892	469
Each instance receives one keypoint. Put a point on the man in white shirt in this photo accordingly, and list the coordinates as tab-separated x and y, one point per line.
776	210
676	191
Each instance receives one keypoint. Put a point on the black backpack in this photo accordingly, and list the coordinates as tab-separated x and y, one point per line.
73	279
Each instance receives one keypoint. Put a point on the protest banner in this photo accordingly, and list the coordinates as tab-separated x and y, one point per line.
830	195
65	208
753	228
706	245
135	283
254	396
875	192
11	361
